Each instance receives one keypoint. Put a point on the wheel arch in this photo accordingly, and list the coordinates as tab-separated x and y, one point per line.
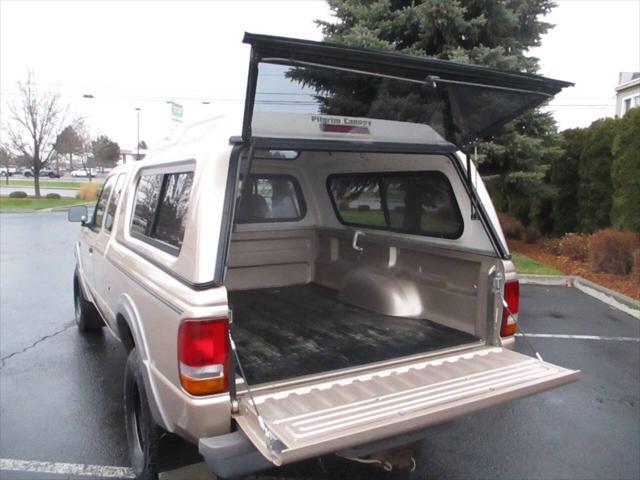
129	330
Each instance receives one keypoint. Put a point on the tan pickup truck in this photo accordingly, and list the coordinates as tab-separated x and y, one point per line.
322	274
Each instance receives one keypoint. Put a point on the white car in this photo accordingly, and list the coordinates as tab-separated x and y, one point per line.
82	173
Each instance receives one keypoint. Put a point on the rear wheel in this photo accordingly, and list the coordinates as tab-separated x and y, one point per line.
87	317
143	434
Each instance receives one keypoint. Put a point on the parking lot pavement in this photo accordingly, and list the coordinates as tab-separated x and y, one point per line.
61	393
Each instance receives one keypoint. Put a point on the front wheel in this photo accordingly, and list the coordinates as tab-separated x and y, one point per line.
143	434
86	315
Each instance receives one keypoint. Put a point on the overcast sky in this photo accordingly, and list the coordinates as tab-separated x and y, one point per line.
143	54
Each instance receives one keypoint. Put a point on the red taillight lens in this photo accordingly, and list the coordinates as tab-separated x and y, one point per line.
203	354
510	312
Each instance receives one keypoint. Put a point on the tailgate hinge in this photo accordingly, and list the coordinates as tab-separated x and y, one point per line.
274	445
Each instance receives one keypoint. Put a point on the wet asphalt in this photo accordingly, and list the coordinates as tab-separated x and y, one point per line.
61	393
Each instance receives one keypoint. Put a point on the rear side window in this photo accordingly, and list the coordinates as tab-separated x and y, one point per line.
420	203
172	209
101	205
160	209
270	198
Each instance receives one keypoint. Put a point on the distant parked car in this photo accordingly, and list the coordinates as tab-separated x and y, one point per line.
49	173
5	172
45	172
82	173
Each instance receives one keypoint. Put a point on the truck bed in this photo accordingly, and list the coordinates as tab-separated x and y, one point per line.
293	331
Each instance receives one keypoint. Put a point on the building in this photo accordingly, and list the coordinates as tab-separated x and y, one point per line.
127	156
627	92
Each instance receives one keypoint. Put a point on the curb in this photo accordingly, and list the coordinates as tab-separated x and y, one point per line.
612	298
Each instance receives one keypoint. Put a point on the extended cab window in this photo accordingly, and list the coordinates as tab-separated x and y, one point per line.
160	209
98	214
270	198
113	203
420	203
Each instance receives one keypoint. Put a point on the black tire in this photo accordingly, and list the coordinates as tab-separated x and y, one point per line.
87	317
143	434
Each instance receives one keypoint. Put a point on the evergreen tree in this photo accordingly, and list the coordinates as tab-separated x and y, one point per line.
596	189
70	143
565	176
105	151
625	173
496	33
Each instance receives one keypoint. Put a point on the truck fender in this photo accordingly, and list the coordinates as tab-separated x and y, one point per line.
127	317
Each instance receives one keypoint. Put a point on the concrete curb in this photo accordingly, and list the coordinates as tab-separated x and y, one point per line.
612	298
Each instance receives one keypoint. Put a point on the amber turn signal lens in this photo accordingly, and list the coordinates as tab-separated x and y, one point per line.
203	387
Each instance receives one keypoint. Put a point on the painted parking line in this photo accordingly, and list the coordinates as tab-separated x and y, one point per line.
73	469
579	337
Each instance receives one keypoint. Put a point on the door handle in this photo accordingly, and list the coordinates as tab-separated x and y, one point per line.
354	244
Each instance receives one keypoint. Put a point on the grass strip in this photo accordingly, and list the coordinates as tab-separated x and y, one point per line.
529	266
33	203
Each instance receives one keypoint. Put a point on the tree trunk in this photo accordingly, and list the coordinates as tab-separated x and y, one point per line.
36	182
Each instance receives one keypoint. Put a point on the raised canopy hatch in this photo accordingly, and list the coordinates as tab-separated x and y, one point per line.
342	90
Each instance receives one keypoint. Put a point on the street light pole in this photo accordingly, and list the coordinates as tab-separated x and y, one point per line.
138	145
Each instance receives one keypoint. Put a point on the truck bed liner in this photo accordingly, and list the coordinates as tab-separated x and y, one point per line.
305	329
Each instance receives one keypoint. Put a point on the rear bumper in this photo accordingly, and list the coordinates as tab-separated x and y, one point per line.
232	455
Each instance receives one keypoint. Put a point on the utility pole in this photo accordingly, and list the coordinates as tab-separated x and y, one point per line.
138	144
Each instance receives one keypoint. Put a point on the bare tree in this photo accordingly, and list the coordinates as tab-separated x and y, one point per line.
35	119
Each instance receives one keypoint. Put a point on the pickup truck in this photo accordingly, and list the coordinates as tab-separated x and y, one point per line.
323	273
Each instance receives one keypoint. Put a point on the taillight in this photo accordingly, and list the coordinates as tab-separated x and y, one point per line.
510	312
203	355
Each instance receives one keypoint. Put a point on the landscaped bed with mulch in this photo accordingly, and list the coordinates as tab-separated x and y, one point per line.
627	284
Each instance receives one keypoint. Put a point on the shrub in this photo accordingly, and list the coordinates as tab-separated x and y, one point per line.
88	191
511	226
530	234
625	173
551	245
612	251
635	272
54	195
17	195
575	246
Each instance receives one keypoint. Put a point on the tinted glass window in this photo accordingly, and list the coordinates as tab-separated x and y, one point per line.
145	204
270	198
358	200
113	203
421	203
98	214
454	111
172	209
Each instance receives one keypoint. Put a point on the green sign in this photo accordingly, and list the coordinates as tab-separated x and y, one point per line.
176	112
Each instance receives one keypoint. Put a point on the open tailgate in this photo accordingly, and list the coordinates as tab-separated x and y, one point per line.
329	415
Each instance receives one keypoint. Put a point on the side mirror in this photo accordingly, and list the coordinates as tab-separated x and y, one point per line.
78	213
